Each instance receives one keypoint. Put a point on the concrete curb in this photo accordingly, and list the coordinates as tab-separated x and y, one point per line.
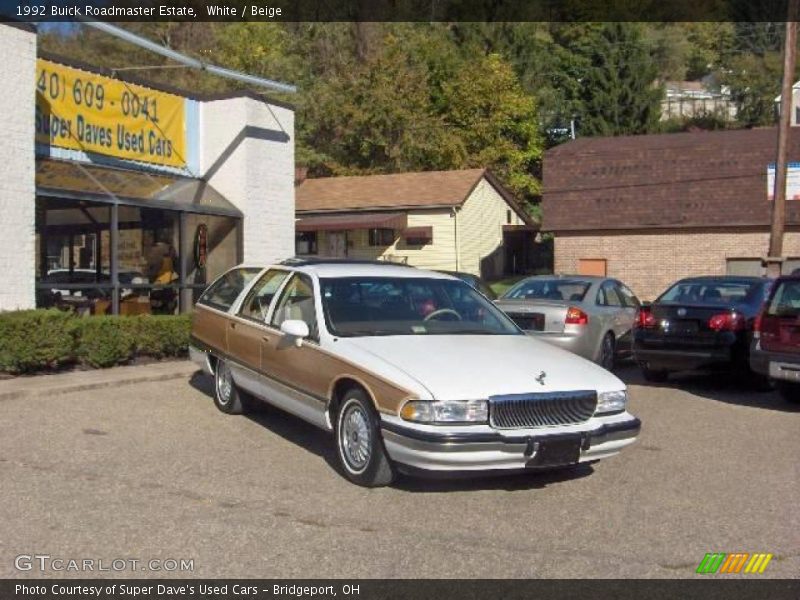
80	381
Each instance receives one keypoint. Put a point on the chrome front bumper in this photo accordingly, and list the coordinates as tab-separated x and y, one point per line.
480	448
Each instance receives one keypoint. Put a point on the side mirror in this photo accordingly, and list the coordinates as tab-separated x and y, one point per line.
296	329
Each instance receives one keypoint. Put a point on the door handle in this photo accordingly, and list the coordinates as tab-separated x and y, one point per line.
233	325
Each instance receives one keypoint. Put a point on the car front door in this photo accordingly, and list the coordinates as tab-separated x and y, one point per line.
296	371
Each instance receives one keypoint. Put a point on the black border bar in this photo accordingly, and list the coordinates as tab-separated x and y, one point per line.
399	10
701	587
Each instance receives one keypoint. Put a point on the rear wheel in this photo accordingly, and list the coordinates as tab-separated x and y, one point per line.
359	444
789	391
654	375
607	351
227	397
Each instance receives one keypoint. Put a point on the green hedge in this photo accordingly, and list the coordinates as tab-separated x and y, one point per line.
36	340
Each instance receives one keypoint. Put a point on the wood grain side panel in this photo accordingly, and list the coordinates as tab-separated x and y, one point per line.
208	326
311	369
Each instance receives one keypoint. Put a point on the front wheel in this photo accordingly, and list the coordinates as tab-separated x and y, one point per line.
359	444
789	391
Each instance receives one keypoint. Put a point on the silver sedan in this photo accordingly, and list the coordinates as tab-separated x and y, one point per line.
590	316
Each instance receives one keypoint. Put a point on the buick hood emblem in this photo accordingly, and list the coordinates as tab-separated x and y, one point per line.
541	377
681	312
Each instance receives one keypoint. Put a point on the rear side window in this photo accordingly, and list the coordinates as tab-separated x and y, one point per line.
629	299
223	292
256	305
786	300
608	296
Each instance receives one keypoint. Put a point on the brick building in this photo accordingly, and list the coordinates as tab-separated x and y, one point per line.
119	195
652	209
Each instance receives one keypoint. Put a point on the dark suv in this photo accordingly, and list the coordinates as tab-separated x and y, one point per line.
776	341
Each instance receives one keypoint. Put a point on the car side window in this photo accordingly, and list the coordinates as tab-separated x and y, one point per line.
629	299
224	291
297	302
608	296
256	304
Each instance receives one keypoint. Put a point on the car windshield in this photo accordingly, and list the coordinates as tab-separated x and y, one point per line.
370	306
549	289
786	300
709	293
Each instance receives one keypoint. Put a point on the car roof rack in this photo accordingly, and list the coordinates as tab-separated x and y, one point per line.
301	261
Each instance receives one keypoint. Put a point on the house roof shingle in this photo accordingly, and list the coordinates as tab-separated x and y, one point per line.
681	180
373	192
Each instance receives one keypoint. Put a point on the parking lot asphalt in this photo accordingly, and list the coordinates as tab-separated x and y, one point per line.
154	471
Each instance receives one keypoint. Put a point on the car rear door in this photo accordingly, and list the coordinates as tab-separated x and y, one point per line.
211	318
247	330
626	316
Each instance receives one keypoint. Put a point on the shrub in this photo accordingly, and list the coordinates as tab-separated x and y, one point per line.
32	340
104	341
159	336
36	340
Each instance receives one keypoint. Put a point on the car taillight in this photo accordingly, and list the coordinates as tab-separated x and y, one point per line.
645	319
768	326
757	326
575	316
726	322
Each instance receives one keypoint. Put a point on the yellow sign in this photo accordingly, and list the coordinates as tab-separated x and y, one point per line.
85	111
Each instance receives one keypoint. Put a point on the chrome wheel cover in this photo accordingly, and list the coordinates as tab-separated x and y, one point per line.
224	384
355	438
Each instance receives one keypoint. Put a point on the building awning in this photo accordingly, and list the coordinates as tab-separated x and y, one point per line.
352	221
418	233
95	183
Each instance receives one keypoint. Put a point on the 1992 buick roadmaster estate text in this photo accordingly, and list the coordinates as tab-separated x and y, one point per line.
410	369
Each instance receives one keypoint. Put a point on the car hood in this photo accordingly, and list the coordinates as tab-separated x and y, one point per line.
457	367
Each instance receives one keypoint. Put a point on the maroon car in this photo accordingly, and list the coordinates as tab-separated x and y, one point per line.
776	340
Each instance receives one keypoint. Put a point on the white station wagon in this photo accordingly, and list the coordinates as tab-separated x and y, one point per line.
411	370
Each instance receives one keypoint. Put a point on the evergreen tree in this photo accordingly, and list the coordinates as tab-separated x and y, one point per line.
618	90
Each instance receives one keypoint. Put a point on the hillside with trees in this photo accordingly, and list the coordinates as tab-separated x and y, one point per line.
389	97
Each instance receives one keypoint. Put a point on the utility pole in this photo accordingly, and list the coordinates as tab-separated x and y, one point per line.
775	255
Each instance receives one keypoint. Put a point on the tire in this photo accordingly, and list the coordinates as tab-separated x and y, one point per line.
608	349
761	383
654	375
227	396
359	444
789	391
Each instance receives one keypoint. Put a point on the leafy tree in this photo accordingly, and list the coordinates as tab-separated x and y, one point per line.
496	122
754	82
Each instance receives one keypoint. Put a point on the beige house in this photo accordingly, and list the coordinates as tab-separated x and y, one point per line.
446	220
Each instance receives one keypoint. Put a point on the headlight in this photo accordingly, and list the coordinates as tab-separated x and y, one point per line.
451	411
611	402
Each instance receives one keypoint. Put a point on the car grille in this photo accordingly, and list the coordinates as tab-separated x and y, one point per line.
528	321
541	410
